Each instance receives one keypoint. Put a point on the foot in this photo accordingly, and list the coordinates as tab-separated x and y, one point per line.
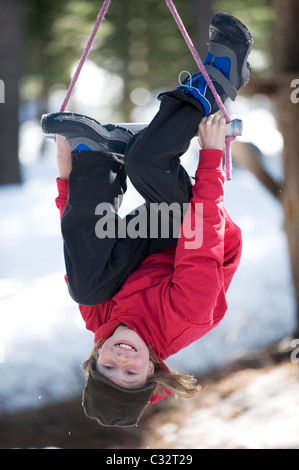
226	62
85	134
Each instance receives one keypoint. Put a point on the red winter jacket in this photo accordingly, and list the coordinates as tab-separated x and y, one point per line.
176	296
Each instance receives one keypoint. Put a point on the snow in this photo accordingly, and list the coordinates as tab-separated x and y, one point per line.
43	339
255	410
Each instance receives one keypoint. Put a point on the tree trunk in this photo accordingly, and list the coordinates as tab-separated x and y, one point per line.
11	42
286	62
202	12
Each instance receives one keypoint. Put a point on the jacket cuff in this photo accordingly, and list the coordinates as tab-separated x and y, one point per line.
62	186
210	159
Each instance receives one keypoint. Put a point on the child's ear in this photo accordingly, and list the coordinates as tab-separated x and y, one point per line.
151	367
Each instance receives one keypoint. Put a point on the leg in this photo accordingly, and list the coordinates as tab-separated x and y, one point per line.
152	157
96	267
98	261
152	161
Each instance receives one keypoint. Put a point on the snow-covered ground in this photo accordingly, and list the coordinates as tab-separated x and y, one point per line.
251	409
43	340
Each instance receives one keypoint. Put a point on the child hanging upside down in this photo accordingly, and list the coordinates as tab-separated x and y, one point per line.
148	296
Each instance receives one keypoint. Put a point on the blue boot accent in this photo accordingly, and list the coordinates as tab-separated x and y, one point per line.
223	64
82	148
196	84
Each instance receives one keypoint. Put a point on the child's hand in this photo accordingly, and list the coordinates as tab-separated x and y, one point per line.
63	157
212	132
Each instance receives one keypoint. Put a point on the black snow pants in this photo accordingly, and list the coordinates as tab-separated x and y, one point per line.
98	265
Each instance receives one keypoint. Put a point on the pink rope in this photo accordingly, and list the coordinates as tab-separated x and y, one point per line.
100	18
228	156
194	52
228	140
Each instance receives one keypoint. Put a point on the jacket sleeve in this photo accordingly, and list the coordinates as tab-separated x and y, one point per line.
195	298
63	191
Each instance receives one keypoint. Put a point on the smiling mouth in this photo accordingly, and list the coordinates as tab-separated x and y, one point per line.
125	346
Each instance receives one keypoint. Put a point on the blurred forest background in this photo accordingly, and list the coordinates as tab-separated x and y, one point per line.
41	41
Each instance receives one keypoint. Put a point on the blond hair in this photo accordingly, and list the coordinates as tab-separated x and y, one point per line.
182	385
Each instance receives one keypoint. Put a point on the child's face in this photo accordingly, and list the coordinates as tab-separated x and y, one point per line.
124	359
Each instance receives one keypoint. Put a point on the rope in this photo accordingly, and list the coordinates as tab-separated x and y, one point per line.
194	52
230	139
100	18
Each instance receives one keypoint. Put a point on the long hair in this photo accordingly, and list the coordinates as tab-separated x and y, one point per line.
182	385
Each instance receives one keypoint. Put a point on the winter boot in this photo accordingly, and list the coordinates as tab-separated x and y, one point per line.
85	134
226	63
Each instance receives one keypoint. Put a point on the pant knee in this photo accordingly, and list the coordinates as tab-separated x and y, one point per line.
83	293
135	163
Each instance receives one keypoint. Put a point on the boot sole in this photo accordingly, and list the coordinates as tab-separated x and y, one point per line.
76	127
228	26
226	30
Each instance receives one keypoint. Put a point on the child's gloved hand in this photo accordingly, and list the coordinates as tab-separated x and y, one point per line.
211	132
